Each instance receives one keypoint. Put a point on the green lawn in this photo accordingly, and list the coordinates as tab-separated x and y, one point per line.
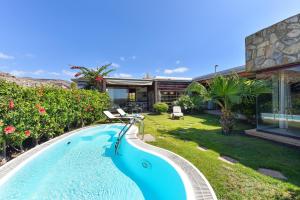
238	181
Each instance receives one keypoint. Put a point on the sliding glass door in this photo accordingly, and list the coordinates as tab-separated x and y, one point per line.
279	111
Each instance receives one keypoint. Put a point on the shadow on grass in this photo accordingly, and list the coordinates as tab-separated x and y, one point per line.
249	151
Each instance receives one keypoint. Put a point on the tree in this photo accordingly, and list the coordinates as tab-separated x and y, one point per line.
95	77
227	91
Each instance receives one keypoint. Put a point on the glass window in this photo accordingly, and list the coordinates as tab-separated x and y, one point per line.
279	111
119	96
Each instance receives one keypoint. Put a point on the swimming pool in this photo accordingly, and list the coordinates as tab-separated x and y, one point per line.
84	166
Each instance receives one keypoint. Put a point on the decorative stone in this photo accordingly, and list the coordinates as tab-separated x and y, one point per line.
228	159
279	60
294	33
276	54
258	40
294	26
268	62
289	59
259	60
264	44
293	49
279	46
289	41
292	19
202	148
273	38
149	138
260	52
272	173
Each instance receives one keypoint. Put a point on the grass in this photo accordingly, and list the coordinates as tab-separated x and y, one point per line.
238	181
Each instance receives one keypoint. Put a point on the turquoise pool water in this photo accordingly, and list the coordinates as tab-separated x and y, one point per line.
83	166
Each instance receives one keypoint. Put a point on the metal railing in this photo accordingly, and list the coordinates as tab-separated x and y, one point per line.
122	133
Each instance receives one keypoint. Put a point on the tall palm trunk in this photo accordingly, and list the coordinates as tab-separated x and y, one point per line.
227	121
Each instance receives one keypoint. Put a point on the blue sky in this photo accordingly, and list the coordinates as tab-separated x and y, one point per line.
182	38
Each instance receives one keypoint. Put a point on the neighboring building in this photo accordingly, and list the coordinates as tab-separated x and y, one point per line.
140	94
240	70
274	54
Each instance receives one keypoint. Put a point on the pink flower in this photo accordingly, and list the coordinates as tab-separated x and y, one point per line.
77	74
9	129
11	104
42	110
98	78
27	133
75	67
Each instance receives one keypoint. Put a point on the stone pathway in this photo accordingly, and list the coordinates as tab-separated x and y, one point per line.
202	148
228	159
272	173
148	138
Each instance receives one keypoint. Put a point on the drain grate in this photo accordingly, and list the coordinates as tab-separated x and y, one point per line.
146	164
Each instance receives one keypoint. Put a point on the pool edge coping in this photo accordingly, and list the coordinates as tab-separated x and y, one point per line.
12	166
180	169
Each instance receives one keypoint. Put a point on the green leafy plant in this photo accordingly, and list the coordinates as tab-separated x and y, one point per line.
160	107
95	77
227	91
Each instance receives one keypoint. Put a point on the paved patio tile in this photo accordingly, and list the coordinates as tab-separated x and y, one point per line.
228	159
272	173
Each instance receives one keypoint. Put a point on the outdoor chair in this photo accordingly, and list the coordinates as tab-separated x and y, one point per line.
177	113
112	117
124	114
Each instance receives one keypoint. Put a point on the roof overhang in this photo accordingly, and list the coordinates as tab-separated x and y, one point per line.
132	82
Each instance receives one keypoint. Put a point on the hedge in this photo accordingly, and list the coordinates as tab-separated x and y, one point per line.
36	113
160	107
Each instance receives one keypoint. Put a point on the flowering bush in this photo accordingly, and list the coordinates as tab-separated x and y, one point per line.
45	112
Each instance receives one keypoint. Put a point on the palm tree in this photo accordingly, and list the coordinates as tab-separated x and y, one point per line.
95	77
227	91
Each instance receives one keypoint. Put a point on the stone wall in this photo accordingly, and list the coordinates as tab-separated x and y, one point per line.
276	45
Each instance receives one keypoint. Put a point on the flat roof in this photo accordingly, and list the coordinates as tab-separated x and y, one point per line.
166	78
138	81
238	69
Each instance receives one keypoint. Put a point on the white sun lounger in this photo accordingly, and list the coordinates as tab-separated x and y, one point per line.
112	117
124	114
177	112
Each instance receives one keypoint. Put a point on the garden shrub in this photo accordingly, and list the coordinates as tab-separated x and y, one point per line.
160	107
189	103
28	113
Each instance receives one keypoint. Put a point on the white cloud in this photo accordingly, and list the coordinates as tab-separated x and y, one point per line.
6	57
122	58
177	62
54	73
18	72
68	73
38	72
122	75
176	70
115	65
